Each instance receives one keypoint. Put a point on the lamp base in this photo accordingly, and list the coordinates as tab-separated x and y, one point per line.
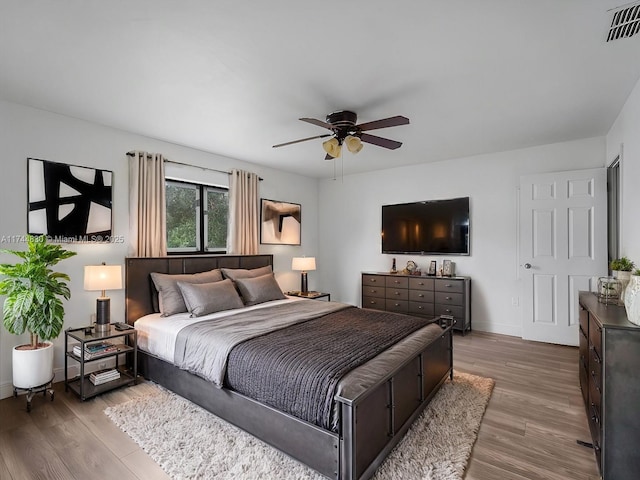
103	314
303	283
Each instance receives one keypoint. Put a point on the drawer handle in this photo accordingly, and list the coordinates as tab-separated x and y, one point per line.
396	293
448	311
420	295
372	280
419	307
448	298
372	302
397	305
448	285
420	283
396	281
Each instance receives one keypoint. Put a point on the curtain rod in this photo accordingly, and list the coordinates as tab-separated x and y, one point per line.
131	154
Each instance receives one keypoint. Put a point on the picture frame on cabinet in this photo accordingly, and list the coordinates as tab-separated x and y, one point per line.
432	268
447	268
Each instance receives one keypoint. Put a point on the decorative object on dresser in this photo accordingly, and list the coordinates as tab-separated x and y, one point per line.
101	278
621	269
608	290
608	360
427	297
432	268
195	443
632	298
448	268
303	264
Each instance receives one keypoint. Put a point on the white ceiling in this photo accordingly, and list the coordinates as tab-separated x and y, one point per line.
232	77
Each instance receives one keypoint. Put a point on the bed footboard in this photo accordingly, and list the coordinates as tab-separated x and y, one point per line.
375	421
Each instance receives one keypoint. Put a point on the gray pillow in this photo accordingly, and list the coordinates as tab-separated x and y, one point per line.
259	289
204	298
170	297
235	273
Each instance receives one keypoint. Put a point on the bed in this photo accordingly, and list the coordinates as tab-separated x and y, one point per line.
373	405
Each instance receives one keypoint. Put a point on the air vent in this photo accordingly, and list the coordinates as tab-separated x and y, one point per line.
625	22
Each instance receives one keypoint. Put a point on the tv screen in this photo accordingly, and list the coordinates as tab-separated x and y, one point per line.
427	228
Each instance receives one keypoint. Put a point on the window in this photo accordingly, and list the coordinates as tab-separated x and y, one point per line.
613	214
196	217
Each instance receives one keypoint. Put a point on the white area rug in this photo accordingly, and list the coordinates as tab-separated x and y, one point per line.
188	442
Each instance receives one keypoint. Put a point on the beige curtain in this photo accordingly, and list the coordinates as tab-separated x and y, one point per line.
242	238
147	209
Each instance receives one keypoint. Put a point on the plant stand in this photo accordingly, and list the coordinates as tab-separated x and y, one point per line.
32	391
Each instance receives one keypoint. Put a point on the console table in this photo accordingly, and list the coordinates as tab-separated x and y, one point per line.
610	383
419	295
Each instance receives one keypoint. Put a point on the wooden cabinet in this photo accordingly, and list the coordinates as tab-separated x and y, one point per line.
423	296
609	362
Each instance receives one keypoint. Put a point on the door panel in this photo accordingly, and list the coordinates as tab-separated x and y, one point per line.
562	246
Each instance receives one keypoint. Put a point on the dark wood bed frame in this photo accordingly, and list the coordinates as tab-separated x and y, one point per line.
371	424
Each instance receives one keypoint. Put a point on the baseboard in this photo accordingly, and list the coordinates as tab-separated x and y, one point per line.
502	329
6	390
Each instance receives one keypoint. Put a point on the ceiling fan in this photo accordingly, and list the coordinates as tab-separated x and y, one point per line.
345	131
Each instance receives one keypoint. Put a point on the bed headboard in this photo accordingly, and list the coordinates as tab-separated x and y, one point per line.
141	295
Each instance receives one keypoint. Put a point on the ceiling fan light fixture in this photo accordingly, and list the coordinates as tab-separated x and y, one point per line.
332	147
354	144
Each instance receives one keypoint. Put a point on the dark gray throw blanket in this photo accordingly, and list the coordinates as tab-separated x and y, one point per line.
296	369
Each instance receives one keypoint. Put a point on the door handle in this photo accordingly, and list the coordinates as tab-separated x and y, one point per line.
527	266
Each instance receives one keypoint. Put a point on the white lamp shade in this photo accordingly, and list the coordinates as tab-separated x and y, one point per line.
332	147
303	263
354	144
102	277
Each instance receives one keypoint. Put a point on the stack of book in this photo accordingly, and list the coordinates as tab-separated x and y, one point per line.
104	376
94	350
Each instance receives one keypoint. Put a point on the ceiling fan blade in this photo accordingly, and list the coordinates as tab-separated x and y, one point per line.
317	122
328	157
379	141
301	140
384	123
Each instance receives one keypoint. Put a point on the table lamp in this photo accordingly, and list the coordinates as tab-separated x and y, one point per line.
303	264
103	277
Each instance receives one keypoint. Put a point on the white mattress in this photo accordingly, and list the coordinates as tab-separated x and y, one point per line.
157	335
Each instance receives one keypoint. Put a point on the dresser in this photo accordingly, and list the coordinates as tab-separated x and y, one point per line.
419	295
609	371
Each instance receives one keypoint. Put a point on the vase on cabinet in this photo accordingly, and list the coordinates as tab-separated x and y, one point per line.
632	299
623	277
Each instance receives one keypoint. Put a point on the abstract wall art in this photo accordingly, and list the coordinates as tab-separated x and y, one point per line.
67	202
279	222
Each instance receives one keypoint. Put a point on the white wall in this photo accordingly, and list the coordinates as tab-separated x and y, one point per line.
624	137
27	132
350	221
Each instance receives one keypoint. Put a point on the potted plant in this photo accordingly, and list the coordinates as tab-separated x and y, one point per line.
621	269
33	304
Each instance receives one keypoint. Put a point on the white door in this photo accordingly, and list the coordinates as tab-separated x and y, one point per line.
563	246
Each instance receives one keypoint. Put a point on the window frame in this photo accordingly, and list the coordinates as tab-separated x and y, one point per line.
201	214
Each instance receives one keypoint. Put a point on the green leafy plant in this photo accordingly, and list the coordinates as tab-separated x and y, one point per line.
622	264
636	272
34	291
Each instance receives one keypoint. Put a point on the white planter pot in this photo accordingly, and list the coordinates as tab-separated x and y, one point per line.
623	277
32	368
632	300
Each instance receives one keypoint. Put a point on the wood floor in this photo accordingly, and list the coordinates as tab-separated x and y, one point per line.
529	430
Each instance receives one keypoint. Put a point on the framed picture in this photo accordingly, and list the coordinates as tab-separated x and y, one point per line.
432	268
447	268
280	222
68	203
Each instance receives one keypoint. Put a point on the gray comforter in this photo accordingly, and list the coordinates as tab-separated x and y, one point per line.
203	347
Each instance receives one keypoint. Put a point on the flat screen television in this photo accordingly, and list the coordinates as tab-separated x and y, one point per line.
427	228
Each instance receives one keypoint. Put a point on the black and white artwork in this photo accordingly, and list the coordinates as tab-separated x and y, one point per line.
68	202
279	222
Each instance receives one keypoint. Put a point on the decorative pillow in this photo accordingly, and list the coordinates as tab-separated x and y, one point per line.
170	297
235	273
259	289
204	298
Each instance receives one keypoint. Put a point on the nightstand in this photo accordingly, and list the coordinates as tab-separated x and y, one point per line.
89	351
311	295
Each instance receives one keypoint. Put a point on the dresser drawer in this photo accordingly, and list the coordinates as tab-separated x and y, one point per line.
455	311
421	296
399	306
447	298
420	308
373	280
396	282
421	283
583	316
374	302
397	293
373	291
595	336
595	368
448	285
